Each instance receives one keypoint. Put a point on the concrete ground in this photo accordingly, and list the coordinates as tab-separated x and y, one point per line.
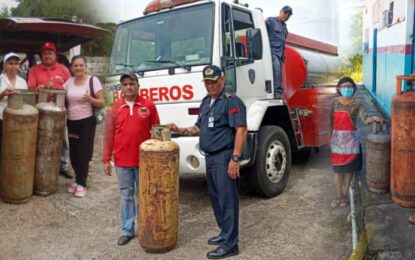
298	224
389	234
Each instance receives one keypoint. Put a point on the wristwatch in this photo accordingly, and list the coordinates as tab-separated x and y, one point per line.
236	158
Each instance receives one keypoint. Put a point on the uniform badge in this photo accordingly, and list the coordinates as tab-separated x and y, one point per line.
209	72
143	112
211	122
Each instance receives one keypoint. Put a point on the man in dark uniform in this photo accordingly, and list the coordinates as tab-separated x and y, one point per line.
221	126
277	33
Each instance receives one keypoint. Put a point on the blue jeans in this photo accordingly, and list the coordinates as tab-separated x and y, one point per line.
128	185
223	194
65	151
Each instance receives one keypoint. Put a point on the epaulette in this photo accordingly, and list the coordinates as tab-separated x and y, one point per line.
228	95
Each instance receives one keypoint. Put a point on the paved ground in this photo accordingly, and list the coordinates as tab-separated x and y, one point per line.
298	224
389	234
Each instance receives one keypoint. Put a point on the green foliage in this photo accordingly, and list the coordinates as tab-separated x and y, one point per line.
101	46
82	9
4	12
352	66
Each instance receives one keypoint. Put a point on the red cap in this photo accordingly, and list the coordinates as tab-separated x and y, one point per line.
48	46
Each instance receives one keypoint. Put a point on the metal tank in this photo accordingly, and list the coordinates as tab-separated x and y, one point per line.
403	143
52	117
29	97
158	194
378	159
18	150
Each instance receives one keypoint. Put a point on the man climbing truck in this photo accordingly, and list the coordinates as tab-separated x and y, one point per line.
173	41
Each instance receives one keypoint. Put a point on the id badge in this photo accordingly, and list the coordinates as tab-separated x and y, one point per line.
211	121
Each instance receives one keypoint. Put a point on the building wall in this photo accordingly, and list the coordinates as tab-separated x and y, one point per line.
394	47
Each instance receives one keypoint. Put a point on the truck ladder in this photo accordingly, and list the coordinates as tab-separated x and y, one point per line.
295	120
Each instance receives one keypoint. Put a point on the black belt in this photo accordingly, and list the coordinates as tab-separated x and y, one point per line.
213	153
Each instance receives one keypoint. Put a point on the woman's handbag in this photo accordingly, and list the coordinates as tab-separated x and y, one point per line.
99	112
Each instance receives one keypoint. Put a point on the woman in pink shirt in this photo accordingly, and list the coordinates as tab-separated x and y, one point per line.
81	121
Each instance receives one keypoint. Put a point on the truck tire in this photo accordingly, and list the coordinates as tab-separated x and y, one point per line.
270	172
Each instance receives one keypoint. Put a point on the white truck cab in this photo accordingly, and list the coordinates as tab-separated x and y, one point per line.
169	46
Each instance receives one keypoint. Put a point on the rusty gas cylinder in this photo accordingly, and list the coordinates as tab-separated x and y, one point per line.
49	142
403	144
158	194
18	150
378	159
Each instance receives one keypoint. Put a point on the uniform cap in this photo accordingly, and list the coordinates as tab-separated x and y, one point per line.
130	75
48	46
10	55
212	72
287	9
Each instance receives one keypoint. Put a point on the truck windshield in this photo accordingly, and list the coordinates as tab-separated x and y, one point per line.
179	38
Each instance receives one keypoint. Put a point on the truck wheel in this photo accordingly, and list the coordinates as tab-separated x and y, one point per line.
273	162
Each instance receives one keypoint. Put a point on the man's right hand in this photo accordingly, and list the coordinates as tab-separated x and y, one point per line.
173	127
107	168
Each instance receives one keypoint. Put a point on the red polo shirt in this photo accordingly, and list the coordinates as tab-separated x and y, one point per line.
41	75
126	129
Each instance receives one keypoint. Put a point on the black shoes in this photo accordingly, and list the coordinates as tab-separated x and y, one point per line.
65	174
123	240
215	240
220	253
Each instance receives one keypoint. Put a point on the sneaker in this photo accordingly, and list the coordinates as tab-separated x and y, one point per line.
80	191
72	188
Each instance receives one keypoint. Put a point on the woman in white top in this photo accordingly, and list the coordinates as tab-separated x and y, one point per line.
9	81
81	121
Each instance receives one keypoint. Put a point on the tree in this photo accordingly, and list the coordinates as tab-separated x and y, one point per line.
82	9
101	46
4	11
353	66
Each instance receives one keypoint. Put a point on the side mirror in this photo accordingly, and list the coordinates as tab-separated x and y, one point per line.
254	40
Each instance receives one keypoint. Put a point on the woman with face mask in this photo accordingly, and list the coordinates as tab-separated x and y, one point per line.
346	152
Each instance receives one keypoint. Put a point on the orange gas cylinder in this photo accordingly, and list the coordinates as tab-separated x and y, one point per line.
403	144
158	195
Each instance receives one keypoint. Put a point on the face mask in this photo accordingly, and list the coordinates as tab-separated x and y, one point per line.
346	92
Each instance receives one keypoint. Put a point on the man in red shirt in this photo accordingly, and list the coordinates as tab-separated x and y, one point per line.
51	74
128	124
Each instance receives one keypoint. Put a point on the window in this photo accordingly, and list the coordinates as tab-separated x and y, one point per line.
178	38
242	21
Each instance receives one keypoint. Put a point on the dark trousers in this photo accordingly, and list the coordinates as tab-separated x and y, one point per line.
277	71
223	194
81	146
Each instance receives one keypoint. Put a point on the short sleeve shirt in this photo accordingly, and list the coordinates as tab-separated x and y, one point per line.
56	76
277	33
78	109
217	122
5	83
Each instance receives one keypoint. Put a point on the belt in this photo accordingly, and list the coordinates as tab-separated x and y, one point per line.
213	153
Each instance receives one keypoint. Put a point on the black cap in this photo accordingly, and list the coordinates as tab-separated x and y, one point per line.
287	9
130	75
212	72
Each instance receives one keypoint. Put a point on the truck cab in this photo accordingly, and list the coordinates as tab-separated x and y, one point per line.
173	41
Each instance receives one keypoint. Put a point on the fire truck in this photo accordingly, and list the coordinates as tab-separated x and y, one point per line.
173	41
